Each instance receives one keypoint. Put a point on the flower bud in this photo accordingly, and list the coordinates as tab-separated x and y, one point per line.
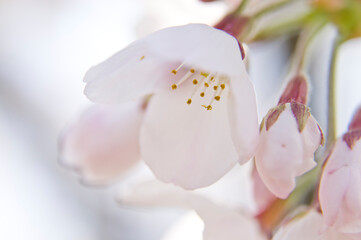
340	187
288	139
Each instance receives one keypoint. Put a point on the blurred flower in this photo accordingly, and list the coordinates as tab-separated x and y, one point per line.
310	226
103	142
202	118
220	222
340	187
289	137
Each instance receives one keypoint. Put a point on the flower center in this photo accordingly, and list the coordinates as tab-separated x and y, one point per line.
208	86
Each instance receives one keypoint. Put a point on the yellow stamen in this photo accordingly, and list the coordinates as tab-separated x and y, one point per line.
206	84
189	101
141	58
217	98
209	107
192	70
215	87
204	74
223	86
202	94
195	81
174	86
174	71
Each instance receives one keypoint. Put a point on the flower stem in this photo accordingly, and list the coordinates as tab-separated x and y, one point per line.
241	7
331	118
303	43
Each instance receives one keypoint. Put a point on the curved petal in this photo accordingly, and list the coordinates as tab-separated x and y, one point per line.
311	138
103	143
186	144
279	154
146	65
199	46
221	222
128	75
334	182
242	110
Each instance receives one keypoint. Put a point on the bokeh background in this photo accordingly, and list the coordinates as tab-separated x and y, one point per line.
46	46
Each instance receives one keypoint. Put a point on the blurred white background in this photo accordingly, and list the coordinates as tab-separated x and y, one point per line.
45	48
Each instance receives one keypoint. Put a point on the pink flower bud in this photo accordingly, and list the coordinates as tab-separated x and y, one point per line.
296	91
340	187
288	139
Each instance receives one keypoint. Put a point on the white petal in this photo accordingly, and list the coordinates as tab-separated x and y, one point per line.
311	137
186	144
104	142
243	117
220	222
126	76
199	46
145	65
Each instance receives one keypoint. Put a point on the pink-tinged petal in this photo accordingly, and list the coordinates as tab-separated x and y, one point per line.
279	154
186	144
262	196
351	210
332	192
221	222
339	194
311	138
310	226
242	110
199	46
104	142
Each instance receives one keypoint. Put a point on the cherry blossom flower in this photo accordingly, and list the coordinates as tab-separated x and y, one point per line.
104	142
340	186
289	137
202	117
220	222
311	226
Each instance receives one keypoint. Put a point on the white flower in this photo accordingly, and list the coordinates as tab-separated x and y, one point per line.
202	117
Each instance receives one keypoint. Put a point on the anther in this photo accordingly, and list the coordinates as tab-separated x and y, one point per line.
174	71
189	101
206	84
204	74
174	86
215	87
195	81
212	78
217	98
141	58
223	86
192	70
202	94
209	107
